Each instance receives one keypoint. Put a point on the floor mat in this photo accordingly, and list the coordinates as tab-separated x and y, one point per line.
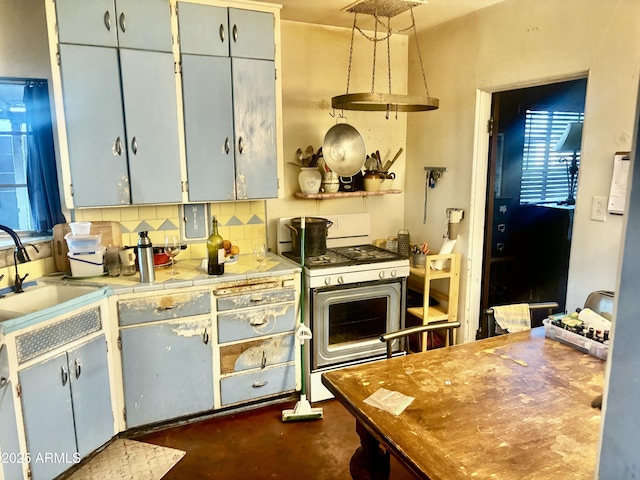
129	459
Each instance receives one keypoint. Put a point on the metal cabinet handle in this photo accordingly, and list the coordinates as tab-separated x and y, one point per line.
3	382
78	367
64	376
263	363
222	33
235	33
259	384
117	147
205	337
240	145
257	299
227	146
134	145
163	308
107	20
123	23
258	322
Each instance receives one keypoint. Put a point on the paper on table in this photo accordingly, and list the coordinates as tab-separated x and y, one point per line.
390	401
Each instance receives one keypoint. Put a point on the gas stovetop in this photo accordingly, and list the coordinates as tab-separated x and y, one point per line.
348	256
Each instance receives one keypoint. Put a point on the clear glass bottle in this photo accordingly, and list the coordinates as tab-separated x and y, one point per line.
215	251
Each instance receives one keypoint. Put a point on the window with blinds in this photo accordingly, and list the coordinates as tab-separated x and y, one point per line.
545	177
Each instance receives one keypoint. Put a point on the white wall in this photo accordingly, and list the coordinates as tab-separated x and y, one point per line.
510	45
314	69
23	39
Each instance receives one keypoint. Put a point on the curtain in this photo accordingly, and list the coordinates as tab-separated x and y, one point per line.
42	176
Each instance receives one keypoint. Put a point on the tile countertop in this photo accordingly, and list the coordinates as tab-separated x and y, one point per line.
188	274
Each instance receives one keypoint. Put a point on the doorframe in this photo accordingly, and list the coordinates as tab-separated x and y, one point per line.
477	209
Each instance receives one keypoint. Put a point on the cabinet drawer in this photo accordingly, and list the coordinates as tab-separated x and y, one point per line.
250	386
256	354
255	322
254	299
37	342
163	307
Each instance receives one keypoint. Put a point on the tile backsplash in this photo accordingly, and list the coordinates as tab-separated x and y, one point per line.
243	223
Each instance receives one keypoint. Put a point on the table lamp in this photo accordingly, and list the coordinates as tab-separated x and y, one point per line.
570	142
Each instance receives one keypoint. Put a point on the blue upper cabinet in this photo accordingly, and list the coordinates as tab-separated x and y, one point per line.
254	109
87	23
229	96
119	101
95	125
252	34
203	29
149	93
144	24
139	24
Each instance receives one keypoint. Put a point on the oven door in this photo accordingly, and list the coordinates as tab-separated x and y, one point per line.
347	321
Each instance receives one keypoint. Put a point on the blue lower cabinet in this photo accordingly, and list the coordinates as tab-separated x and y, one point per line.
262	383
167	370
74	417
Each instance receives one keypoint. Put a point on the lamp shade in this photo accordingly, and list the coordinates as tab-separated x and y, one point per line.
571	138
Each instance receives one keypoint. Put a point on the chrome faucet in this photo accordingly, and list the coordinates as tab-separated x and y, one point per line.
20	255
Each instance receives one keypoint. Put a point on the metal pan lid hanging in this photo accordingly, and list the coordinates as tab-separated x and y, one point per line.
344	150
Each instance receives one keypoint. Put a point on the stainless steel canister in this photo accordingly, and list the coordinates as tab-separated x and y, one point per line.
145	259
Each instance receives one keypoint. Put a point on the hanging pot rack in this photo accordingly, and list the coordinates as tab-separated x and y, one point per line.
376	101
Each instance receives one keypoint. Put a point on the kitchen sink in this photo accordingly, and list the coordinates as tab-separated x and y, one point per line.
40	297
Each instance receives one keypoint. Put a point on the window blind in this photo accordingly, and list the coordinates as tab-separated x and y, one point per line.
544	176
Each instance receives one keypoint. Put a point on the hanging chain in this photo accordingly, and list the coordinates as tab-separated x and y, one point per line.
375	47
415	35
353	31
389	52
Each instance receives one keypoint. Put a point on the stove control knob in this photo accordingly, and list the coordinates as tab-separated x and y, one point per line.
340	280
381	274
394	273
327	281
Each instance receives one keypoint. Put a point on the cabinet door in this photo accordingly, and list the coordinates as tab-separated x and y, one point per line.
252	34
150	106
167	370
9	445
48	416
254	112
87	23
91	395
208	119
144	24
95	126
203	29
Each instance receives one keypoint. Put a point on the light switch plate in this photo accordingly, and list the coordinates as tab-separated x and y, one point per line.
599	209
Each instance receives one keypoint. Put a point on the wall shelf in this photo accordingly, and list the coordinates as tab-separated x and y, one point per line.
359	193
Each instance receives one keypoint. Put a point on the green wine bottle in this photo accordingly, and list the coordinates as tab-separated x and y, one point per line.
215	251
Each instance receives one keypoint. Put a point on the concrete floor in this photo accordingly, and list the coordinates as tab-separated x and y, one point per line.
257	445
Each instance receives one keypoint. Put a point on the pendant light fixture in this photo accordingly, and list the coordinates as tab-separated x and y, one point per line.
383	11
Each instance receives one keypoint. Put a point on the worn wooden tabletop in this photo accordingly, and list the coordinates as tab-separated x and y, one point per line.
516	407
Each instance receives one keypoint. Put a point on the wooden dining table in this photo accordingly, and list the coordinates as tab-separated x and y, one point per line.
516	406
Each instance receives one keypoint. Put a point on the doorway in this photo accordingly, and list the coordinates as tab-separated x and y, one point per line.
527	240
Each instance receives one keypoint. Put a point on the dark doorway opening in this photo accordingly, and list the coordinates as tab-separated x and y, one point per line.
528	229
